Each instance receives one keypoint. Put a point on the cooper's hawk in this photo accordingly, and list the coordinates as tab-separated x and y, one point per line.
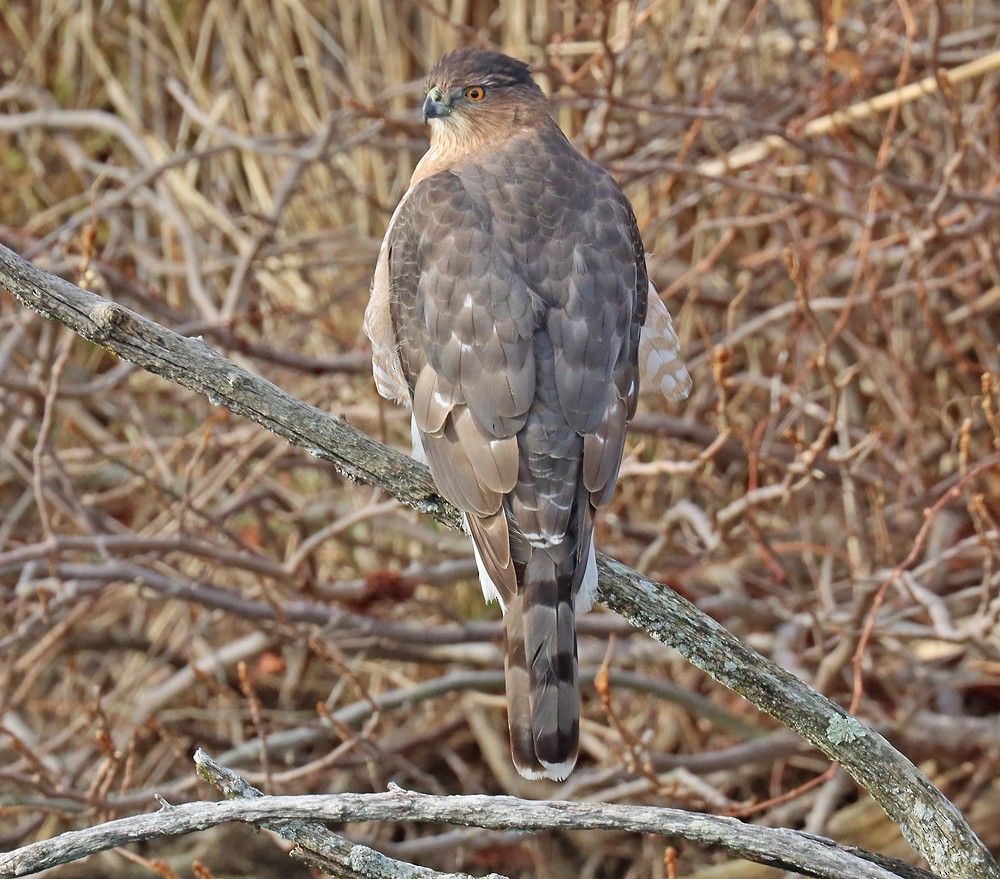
506	309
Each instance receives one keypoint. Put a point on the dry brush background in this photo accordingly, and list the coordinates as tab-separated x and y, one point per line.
830	492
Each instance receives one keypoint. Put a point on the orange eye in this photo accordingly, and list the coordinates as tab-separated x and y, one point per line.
475	93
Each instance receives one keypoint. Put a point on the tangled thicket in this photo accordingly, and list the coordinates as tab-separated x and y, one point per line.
830	492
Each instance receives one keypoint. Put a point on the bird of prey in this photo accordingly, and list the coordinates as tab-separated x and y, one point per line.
512	311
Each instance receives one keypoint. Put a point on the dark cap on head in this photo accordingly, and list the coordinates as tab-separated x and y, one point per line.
476	67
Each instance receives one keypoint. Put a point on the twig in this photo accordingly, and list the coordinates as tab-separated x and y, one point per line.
930	822
891	100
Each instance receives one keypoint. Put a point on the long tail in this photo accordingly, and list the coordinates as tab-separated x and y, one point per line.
543	697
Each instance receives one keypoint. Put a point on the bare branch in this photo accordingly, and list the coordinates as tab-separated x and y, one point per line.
296	818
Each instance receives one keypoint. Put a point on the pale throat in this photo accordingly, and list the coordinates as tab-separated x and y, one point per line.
456	138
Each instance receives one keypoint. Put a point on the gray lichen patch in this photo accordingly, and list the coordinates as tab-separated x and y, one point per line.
844	729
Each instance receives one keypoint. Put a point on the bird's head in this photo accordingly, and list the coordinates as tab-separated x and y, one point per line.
474	97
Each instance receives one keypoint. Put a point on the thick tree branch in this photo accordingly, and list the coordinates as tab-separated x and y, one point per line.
931	823
297	818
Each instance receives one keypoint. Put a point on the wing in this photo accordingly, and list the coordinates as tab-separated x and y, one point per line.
464	322
386	368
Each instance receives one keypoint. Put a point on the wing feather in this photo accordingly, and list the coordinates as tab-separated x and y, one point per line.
453	466
493	460
491	538
433	400
660	366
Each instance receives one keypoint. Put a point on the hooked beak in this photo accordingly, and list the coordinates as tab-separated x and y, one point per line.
434	109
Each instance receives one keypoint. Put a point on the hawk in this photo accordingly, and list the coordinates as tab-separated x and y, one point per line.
511	310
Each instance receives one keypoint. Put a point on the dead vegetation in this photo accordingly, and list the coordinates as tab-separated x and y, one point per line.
830	492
